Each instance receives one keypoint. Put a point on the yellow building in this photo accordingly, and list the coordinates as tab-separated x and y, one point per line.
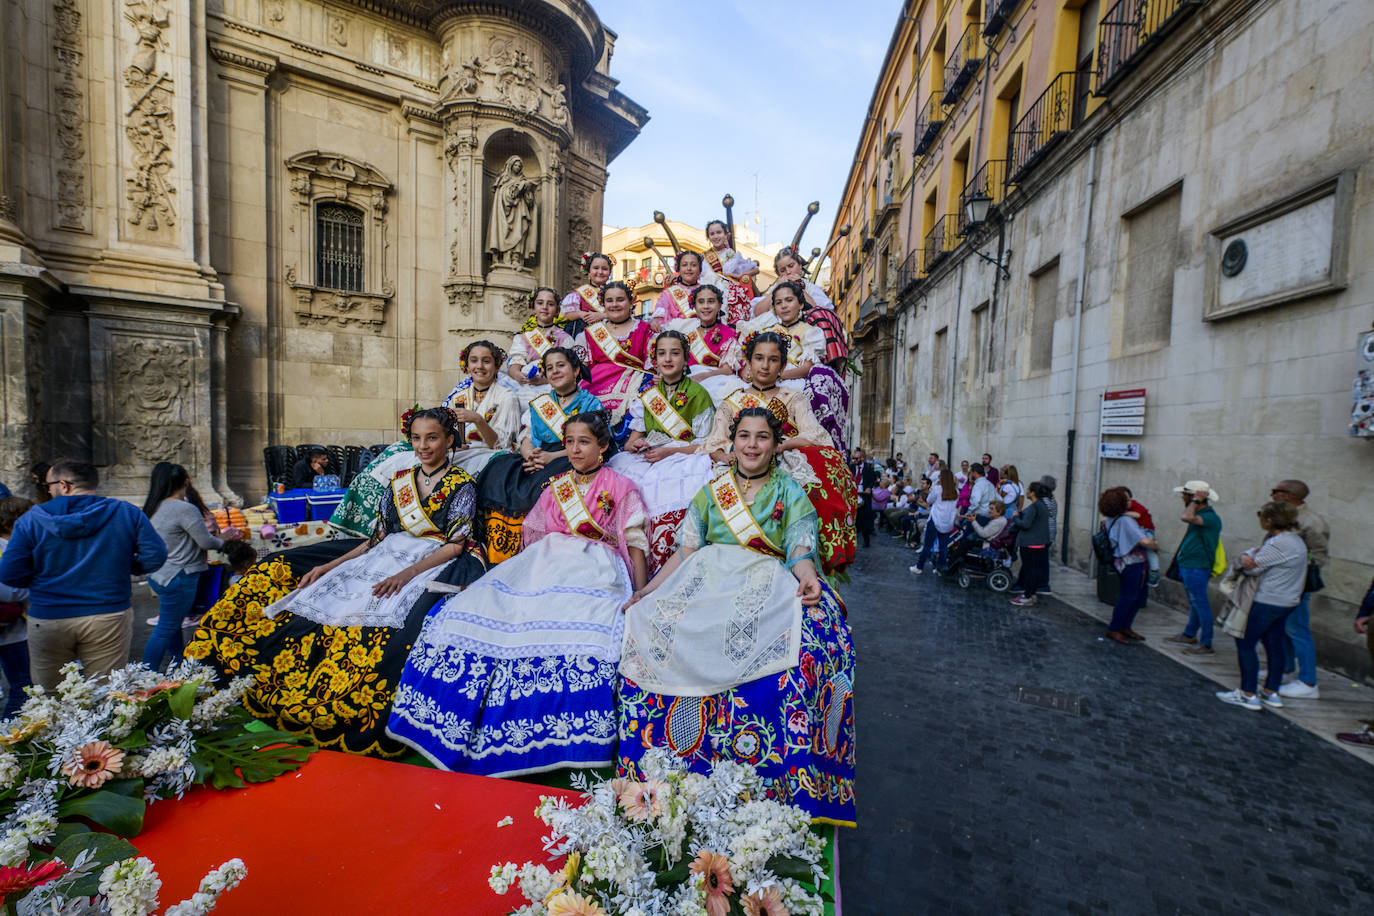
634	259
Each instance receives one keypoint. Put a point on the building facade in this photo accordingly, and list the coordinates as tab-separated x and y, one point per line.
1168	204
232	223
635	260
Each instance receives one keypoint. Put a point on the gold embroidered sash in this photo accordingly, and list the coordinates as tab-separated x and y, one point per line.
539	342
468	398
794	352
713	259
667	416
700	351
410	507
550	413
728	499
606	340
591	297
682	299
574	510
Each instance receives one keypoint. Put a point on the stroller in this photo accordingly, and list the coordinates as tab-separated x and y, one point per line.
968	558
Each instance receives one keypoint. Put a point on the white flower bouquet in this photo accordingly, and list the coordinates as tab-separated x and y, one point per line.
678	843
100	751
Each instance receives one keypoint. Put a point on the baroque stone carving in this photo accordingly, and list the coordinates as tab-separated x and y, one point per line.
511	236
516	306
463	296
338	30
151	379
559	114
148	123
69	87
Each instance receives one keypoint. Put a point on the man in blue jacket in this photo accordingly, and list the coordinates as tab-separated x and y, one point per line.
75	554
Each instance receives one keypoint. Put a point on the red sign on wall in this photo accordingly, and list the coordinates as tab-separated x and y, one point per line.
1123	394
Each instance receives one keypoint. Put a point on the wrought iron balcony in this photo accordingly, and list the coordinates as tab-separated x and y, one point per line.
963	62
928	123
1129	30
940	240
998	12
989	181
1047	121
909	273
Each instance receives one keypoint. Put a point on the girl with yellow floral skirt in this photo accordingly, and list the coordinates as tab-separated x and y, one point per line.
326	643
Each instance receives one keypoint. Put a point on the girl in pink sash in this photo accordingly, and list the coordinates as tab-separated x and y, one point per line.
587	297
675	300
617	348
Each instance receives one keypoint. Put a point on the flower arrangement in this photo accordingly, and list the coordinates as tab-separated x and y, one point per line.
676	843
779	510
604	502
102	750
679	399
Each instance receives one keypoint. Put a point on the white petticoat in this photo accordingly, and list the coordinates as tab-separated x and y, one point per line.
728	615
667	485
562	595
343	596
719	387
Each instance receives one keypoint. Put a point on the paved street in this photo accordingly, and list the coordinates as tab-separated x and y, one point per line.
1156	799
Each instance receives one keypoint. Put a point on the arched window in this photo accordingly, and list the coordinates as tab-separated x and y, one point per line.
339	247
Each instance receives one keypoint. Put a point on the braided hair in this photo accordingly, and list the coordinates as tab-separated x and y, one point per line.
709	287
773	337
617	284
701	262
774	424
441	415
671	335
497	354
543	289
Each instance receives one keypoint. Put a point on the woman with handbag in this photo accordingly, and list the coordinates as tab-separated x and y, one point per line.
1128	543
1281	563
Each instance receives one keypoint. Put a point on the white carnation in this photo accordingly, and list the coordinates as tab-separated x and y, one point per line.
130	887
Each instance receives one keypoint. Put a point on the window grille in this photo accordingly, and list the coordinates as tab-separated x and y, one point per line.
339	247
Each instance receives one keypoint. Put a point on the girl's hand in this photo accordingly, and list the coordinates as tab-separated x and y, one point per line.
809	591
463	415
634	599
639	445
314	575
657	454
392	585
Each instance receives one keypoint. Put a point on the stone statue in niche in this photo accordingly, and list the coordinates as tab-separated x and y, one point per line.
511	237
560	106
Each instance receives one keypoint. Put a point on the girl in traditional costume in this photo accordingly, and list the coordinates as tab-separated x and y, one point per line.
517	673
488	413
806	369
541	332
817	308
737	272
326	643
736	650
617	345
587	297
510	484
806	452
661	457
713	348
498	411
675	300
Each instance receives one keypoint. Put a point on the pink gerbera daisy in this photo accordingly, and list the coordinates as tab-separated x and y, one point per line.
568	903
767	902
91	765
715	871
643	800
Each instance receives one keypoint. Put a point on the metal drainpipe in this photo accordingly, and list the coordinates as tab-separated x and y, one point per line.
1077	331
954	362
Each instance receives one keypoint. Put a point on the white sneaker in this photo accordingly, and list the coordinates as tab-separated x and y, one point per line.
1297	690
915	569
1270	699
1236	698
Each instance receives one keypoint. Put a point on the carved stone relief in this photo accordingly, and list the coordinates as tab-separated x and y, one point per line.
516	306
338	30
152	379
463	296
69	88
149	124
9	210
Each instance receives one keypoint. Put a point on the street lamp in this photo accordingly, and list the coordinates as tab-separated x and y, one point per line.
976	208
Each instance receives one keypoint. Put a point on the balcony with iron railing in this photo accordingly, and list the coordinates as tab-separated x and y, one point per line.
989	181
909	273
998	12
928	123
1047	121
963	62
940	241
1129	30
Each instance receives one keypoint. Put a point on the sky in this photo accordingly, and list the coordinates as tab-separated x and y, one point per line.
774	90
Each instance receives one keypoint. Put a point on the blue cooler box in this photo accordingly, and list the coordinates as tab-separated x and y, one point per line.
291	507
322	505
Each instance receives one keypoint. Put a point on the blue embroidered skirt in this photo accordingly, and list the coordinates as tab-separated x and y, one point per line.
796	728
472	713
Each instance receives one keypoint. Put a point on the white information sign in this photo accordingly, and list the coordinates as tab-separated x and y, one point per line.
1123	451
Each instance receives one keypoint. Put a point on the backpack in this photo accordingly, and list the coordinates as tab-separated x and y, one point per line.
1102	544
1219	560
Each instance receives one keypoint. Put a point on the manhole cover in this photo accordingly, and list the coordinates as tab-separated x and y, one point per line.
1058	700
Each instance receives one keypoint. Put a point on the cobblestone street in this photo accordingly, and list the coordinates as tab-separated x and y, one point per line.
1157	798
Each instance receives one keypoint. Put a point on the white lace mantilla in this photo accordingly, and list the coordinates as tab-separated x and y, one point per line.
343	596
726	616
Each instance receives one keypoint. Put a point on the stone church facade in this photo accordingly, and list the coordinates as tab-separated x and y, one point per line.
232	223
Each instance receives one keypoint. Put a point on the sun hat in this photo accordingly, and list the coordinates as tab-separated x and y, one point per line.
1193	486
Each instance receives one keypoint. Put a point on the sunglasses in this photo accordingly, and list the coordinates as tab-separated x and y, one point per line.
1280	490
